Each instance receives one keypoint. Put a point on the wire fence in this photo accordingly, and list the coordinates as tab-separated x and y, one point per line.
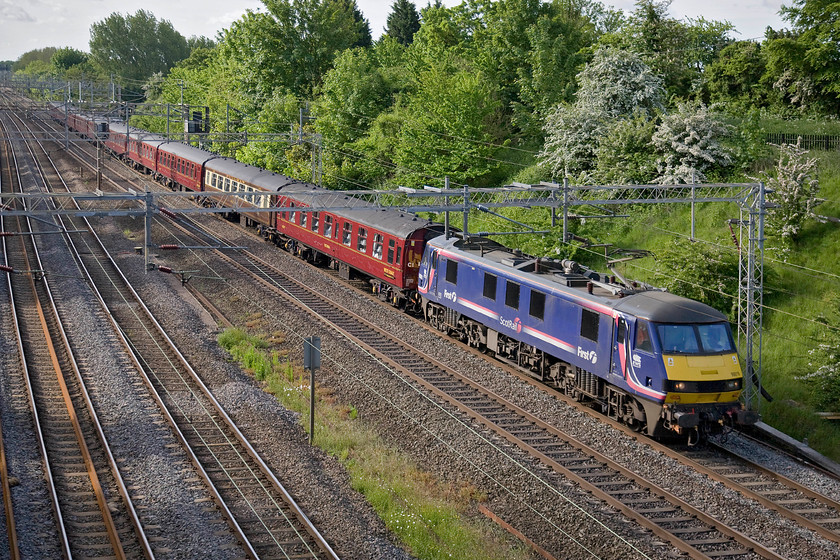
809	141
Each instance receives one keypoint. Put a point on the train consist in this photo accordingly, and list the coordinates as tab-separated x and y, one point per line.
655	361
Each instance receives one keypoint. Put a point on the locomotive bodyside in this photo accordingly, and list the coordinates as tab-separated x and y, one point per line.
593	338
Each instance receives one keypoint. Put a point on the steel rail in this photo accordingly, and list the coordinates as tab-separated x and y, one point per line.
139	532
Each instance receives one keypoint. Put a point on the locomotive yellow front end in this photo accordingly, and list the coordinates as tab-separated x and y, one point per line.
703	376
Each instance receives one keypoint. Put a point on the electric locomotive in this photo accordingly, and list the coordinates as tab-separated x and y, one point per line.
653	360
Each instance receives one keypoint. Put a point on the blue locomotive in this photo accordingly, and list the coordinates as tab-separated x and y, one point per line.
651	359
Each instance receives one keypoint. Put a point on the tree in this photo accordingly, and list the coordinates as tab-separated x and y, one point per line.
292	45
735	76
625	154
136	46
814	49
794	192
617	83
403	22
44	55
571	143
689	143
449	128
352	95
675	50
64	59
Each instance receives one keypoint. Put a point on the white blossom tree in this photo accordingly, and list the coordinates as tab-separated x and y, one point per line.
573	133
689	144
616	85
795	189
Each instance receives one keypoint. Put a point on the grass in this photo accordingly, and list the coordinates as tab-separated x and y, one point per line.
430	517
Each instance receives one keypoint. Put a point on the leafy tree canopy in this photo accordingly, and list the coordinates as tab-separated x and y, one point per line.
292	45
43	55
136	46
65	58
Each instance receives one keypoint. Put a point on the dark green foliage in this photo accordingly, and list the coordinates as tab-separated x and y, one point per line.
200	42
65	58
701	272
735	76
136	46
625	155
811	54
403	22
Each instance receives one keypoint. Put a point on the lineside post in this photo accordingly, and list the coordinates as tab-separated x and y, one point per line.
312	361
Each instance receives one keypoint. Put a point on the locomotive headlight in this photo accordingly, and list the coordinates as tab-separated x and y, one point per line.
679	386
733	385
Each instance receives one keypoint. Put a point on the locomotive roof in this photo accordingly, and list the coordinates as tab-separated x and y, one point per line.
571	278
665	307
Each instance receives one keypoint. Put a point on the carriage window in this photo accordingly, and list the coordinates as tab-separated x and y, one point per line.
490	281
399	254
361	245
390	251
377	245
643	337
512	295
347	234
303	217
537	306
315	221
227	184
327	226
452	271
589	325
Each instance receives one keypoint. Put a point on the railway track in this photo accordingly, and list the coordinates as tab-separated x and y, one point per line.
263	514
88	497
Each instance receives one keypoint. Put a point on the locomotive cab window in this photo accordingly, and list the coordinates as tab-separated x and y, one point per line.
643	337
589	324
537	306
361	244
452	271
490	281
377	245
512	295
347	234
